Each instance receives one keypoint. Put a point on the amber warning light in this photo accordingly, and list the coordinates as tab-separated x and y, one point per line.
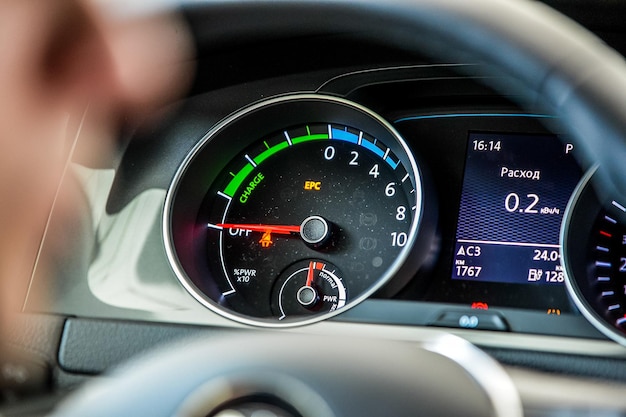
313	185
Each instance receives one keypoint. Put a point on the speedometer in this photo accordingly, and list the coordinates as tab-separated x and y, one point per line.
316	207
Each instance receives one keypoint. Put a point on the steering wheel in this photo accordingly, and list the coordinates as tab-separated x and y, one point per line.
559	65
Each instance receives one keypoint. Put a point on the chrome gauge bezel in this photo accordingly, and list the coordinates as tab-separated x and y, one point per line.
584	203
405	265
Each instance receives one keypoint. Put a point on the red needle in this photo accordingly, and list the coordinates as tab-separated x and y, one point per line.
272	228
309	277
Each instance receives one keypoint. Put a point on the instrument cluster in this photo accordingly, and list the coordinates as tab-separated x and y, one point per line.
297	208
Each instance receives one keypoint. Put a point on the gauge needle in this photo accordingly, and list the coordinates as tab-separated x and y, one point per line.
272	228
309	277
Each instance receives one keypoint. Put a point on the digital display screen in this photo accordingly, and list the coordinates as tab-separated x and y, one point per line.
515	190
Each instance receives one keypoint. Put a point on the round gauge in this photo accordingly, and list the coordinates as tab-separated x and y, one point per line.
594	245
293	210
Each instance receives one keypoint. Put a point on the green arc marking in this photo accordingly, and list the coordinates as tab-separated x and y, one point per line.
231	189
271	151
309	138
240	177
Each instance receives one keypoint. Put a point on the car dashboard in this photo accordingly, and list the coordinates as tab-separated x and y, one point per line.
485	262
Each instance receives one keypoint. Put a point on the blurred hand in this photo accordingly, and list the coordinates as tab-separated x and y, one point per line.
58	57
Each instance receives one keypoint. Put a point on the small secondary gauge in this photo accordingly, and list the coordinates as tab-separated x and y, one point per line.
308	286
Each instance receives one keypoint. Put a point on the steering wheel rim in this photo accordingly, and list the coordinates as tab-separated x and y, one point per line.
321	375
548	54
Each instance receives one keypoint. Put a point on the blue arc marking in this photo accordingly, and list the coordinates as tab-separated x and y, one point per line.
369	145
452	115
338	134
393	164
345	136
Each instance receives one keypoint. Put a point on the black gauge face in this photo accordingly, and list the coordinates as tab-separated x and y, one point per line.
303	220
318	194
594	247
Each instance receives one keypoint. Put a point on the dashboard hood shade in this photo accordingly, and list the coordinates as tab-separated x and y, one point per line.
557	63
